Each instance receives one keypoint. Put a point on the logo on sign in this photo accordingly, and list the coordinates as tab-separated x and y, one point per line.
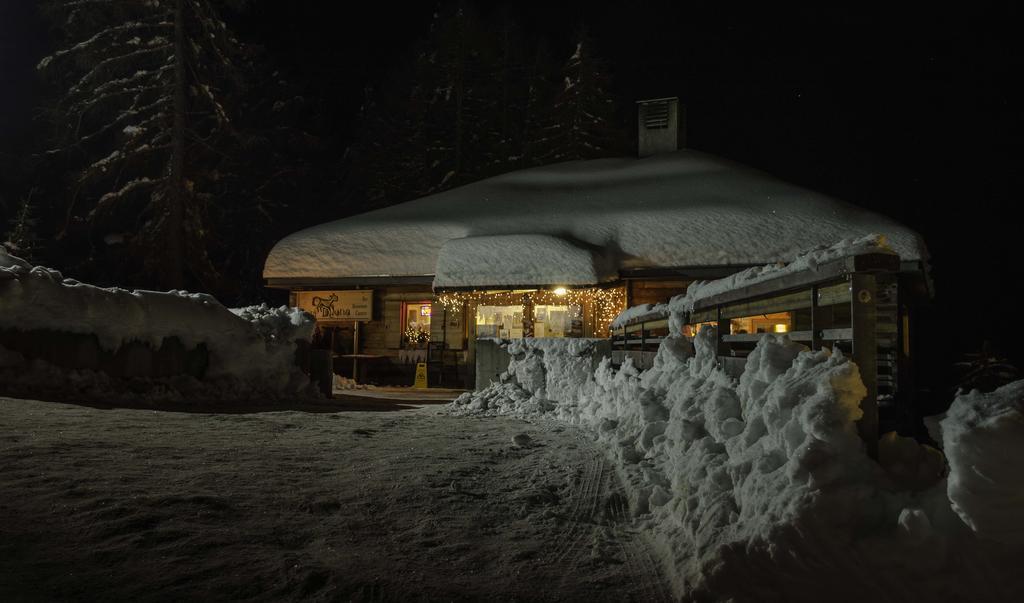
325	305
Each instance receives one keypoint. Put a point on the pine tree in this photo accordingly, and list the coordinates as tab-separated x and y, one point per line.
581	122
425	130
505	86
142	121
538	94
22	236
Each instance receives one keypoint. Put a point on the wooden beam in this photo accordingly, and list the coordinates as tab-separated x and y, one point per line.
864	317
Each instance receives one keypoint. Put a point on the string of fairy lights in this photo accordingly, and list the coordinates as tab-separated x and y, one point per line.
607	303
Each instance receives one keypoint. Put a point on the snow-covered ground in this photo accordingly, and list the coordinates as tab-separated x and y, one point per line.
416	505
760	489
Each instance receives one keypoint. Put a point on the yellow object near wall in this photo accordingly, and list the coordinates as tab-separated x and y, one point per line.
421	375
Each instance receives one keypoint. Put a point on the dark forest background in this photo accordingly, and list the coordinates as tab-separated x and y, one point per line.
298	113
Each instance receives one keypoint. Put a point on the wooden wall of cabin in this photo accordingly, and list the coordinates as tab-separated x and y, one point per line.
383	334
653	291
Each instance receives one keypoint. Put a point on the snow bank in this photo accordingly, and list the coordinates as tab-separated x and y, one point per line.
252	347
760	488
983	437
680	209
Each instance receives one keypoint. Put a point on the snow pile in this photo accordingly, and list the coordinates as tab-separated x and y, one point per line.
760	488
342	384
636	312
680	209
983	437
253	348
521	259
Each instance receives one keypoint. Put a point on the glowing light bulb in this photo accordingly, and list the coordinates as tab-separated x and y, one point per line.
781	328
560	291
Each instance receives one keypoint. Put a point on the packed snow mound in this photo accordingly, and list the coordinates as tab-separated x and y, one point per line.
983	438
517	260
759	488
253	346
680	209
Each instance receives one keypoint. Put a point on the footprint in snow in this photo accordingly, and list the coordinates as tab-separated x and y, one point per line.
522	440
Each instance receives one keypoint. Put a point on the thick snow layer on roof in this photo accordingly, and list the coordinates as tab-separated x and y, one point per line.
807	260
516	260
680	209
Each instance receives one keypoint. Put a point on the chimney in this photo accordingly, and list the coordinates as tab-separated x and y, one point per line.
659	126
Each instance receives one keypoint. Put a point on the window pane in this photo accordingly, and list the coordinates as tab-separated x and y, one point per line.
558	321
416	327
499	321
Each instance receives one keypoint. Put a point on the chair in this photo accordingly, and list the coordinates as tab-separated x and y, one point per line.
435	360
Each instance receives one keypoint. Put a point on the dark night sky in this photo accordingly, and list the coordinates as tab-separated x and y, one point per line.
911	112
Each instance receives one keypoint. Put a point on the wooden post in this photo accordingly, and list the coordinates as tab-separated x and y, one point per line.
355	349
863	319
527	315
815	320
721	330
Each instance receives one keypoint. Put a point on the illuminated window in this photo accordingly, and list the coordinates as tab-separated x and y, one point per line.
415	323
499	321
692	330
779	322
558	321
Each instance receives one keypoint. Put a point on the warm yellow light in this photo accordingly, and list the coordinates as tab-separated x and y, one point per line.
781	328
560	291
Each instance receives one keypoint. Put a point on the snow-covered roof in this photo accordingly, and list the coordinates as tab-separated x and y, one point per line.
673	210
522	259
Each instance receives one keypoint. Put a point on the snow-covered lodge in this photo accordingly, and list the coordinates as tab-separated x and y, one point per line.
553	251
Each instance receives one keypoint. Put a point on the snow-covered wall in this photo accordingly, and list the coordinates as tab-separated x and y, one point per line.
252	349
759	488
679	209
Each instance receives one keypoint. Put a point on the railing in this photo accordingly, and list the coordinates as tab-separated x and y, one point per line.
851	303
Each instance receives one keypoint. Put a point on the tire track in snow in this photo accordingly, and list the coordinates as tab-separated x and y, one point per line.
643	569
583	504
599	500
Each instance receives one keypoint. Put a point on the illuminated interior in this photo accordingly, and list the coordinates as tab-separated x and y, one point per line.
779	322
499	321
558	321
692	330
556	312
416	322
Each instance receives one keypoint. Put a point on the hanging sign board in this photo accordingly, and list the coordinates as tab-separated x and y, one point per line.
337	305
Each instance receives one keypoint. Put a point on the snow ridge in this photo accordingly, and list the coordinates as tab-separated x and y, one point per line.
760	488
251	348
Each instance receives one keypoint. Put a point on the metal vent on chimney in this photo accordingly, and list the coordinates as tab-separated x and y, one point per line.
656	115
658	126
